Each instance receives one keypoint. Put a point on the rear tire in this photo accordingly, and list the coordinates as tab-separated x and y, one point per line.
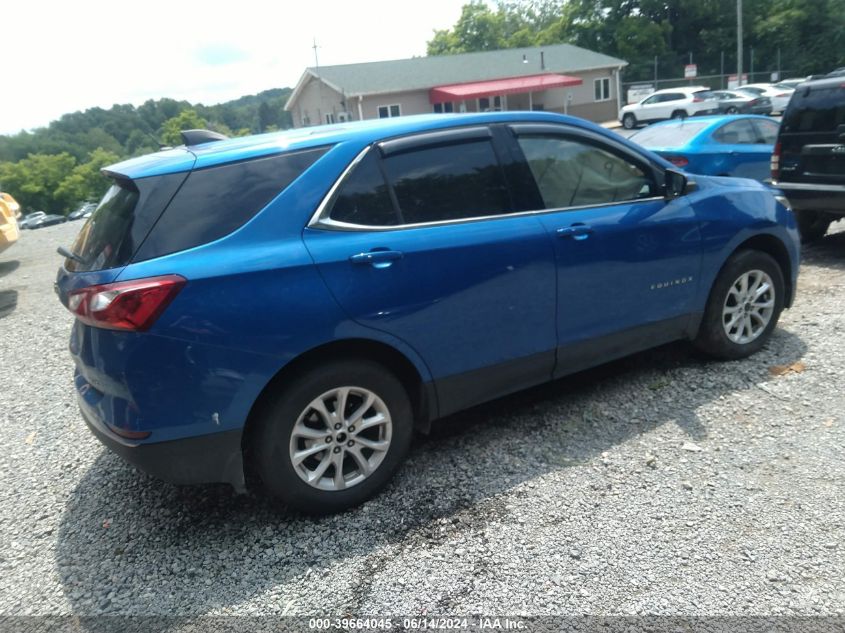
812	225
732	110
629	121
297	438
679	114
743	308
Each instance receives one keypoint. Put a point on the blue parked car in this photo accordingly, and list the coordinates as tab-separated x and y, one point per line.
738	146
294	305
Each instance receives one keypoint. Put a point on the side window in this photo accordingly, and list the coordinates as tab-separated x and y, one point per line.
215	201
673	96
571	173
364	197
736	133
767	131
448	182
652	99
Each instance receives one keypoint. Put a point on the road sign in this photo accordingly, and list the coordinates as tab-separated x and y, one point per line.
733	84
690	71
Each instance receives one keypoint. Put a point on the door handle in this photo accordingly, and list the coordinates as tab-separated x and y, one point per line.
378	259
576	231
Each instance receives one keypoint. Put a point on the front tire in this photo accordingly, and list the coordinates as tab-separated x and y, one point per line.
629	121
679	114
333	437
732	110
743	308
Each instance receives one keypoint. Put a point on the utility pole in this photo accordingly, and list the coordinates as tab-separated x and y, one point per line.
739	42
722	72
751	67
655	72
319	84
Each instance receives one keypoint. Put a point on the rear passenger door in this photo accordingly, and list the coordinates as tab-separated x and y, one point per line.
422	240
627	260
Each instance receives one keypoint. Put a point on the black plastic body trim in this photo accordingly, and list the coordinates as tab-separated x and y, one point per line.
467	389
429	139
197	137
212	458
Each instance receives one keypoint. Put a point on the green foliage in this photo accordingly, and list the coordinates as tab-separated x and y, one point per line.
57	167
34	180
185	120
85	182
809	33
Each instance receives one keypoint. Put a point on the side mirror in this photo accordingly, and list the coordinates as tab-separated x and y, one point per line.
674	184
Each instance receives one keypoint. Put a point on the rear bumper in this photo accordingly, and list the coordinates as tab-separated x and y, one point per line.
211	458
814	197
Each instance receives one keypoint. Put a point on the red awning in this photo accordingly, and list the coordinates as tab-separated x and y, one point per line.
510	85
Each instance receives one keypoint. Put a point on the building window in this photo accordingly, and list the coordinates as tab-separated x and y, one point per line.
388	111
486	104
440	108
602	88
329	118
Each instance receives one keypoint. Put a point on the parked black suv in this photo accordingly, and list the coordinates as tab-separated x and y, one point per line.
808	163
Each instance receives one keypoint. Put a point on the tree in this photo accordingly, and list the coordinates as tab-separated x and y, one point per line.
35	179
186	120
85	182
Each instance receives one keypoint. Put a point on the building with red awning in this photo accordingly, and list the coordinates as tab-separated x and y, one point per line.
559	78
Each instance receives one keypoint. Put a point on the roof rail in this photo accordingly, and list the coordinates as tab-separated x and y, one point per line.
196	137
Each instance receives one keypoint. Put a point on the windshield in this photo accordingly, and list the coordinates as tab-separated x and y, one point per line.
669	134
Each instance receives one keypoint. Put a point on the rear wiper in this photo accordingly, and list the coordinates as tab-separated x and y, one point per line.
67	254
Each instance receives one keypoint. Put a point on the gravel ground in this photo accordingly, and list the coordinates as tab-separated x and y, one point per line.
660	484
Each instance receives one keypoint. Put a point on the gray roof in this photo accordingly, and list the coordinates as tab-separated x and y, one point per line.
426	72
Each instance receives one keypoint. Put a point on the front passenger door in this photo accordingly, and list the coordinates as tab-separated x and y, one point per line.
627	260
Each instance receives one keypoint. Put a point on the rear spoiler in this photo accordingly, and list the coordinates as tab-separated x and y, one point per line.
196	137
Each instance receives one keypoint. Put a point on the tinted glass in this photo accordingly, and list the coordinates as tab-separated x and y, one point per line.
673	96
364	198
767	131
214	202
736	133
668	134
652	99
122	220
448	182
102	241
816	110
570	173
754	92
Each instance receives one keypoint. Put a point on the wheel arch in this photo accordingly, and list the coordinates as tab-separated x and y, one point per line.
420	392
771	245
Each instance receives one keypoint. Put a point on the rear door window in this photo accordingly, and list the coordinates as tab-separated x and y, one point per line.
448	182
767	131
364	197
736	133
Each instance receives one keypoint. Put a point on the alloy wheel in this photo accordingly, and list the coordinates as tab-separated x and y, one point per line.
340	438
748	307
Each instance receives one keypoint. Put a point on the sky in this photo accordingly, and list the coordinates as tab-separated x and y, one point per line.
59	57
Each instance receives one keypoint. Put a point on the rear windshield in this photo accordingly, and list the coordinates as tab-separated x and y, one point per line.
816	110
669	134
101	243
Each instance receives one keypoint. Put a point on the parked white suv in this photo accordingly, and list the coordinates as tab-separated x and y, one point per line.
669	103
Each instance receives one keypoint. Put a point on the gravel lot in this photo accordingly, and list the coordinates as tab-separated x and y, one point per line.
661	484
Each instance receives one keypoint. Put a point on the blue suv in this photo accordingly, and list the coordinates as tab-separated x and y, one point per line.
288	308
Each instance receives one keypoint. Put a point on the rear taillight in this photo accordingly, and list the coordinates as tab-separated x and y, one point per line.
775	164
125	305
678	161
697	99
785	94
754	102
